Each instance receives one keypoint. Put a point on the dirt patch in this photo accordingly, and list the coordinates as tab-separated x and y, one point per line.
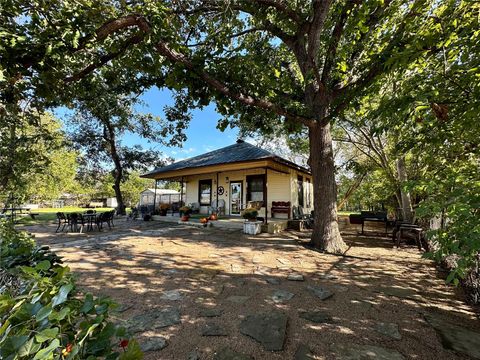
148	266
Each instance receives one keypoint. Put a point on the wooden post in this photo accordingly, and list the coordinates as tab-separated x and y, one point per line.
155	196
266	195
181	193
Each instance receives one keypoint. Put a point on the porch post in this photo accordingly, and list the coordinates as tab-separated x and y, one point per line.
266	195
155	196
216	193
181	193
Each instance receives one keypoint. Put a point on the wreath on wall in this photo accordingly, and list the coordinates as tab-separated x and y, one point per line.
220	190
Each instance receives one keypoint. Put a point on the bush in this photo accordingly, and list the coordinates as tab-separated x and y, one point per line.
43	316
250	214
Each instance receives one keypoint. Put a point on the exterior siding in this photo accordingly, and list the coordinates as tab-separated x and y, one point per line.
280	187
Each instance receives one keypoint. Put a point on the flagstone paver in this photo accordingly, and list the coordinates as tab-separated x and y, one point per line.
388	329
154	344
280	296
154	319
352	351
456	337
229	354
316	316
321	293
267	328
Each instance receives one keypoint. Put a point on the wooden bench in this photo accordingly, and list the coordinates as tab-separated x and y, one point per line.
374	216
281	207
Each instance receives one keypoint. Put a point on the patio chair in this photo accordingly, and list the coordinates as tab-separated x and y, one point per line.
195	207
76	222
217	206
62	221
133	215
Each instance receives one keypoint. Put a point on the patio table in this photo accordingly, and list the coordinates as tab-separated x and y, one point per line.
90	220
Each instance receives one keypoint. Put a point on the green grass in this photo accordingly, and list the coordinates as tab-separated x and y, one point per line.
50	214
348	212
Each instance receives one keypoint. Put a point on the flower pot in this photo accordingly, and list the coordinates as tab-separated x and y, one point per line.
213	217
252	227
185	217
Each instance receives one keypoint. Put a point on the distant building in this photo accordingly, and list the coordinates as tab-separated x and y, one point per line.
163	196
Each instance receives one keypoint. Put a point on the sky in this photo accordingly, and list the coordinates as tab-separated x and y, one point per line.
202	134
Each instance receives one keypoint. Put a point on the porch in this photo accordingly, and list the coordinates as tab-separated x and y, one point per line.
273	226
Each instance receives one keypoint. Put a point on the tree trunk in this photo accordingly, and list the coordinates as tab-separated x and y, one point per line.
109	136
326	234
407	210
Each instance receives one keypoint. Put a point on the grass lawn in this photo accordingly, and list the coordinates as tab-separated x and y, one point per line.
49	214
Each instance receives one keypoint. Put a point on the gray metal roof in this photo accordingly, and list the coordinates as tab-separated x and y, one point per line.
238	152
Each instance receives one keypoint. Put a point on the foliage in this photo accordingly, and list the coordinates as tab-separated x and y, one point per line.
44	316
250	214
34	159
429	116
185	210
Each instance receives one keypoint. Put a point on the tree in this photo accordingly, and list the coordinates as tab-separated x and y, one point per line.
300	65
98	125
264	63
35	162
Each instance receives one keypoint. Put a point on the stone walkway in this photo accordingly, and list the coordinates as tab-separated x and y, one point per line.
189	293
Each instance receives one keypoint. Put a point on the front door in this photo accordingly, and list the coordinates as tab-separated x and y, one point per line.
236	195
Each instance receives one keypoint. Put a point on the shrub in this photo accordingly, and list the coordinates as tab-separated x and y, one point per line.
44	316
250	214
185	210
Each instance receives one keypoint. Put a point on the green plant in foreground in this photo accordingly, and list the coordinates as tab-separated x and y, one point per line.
43	316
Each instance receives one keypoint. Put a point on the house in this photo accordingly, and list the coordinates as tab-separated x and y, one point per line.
238	174
165	196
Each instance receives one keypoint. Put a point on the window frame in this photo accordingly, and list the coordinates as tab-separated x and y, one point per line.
249	188
204	182
300	191
308	192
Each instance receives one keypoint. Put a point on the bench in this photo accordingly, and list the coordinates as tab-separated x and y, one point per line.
407	230
33	215
375	216
281	207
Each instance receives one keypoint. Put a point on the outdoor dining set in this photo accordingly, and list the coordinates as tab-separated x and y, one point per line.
77	222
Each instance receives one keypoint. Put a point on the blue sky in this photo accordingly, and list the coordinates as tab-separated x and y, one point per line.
202	134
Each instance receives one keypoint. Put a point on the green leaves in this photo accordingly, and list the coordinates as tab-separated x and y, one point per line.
46	334
62	295
48	319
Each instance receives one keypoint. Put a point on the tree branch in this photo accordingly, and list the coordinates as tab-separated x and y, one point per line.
337	33
222	88
111	27
320	12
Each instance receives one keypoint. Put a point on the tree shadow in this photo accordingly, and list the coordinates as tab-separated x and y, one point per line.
376	284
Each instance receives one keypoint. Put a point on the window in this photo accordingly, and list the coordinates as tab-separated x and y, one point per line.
205	192
256	188
308	193
300	191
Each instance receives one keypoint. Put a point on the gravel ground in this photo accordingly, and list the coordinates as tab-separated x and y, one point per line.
137	262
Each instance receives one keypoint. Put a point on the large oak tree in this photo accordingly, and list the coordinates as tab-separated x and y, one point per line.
265	63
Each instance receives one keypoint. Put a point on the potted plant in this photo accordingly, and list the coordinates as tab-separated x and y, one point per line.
204	221
163	209
251	225
213	216
185	212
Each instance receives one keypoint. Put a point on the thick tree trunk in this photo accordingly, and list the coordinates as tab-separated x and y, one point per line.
326	234
406	201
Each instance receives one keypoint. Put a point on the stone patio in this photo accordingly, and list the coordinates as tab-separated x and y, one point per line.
217	294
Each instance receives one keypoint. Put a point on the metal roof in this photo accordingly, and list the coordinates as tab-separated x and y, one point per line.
239	152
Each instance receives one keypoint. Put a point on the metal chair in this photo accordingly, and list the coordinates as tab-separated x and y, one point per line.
62	221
